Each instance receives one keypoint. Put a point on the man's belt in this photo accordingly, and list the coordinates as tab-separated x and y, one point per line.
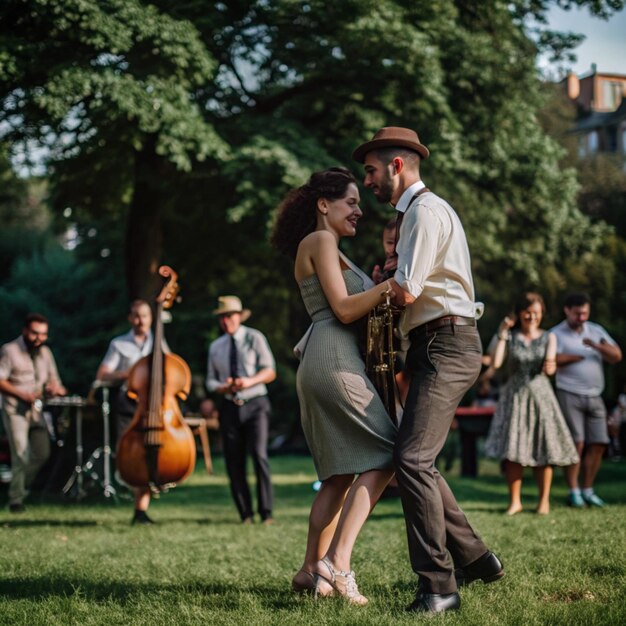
241	401
442	322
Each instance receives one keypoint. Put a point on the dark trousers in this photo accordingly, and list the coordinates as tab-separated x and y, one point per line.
443	364
244	431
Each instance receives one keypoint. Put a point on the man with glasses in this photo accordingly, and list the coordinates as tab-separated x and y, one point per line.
240	365
28	374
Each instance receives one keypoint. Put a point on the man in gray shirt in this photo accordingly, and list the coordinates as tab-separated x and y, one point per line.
27	373
582	349
240	364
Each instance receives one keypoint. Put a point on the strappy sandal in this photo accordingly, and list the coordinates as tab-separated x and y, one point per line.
344	583
303	582
308	582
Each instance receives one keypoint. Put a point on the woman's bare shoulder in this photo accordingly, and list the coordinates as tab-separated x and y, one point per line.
317	242
314	251
317	237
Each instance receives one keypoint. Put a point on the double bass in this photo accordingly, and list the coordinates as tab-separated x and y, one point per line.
158	450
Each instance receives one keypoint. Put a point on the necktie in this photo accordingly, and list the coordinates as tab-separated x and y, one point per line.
234	358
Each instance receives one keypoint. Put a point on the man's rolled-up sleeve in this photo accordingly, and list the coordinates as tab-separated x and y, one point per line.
5	364
265	358
111	359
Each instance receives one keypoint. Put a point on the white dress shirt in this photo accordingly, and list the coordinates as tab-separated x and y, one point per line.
123	352
433	260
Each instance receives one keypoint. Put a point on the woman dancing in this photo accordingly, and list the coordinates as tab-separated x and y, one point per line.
345	423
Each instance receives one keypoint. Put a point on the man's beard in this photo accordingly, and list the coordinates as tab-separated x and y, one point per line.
385	191
576	325
32	348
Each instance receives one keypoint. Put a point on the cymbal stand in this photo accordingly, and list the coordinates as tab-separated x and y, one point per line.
109	489
91	466
75	481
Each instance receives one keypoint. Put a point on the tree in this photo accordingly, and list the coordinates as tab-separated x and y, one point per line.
107	87
81	302
24	215
193	119
463	75
602	198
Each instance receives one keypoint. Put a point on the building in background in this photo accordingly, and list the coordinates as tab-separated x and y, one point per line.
601	102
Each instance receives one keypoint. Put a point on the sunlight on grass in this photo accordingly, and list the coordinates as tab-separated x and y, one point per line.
67	562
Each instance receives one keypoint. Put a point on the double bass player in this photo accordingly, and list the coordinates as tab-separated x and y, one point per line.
123	352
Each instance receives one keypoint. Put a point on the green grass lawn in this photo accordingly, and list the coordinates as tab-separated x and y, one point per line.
67	562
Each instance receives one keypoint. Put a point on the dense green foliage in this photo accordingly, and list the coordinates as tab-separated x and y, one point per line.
83	310
601	196
173	130
81	563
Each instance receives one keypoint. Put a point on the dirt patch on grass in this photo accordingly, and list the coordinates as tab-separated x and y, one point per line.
570	595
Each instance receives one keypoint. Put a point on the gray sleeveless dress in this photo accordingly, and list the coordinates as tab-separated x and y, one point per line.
344	421
528	427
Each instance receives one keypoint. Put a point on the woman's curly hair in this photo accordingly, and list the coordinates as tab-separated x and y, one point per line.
297	213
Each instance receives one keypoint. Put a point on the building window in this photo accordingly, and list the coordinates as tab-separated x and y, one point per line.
592	142
611	94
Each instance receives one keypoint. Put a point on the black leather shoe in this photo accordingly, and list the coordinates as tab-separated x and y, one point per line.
435	602
141	518
487	568
17	507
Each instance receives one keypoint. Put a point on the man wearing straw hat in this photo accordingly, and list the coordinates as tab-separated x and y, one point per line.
432	277
240	365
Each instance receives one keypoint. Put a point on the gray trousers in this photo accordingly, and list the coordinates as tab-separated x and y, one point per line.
443	365
29	442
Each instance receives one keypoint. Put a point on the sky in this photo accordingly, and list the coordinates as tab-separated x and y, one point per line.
605	43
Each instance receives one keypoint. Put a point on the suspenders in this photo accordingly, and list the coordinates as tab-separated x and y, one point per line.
400	216
389	274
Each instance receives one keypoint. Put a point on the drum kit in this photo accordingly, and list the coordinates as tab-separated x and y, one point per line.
97	469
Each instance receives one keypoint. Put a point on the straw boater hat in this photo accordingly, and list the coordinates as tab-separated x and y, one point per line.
391	137
231	304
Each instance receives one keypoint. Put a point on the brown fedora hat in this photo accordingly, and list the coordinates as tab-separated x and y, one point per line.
391	136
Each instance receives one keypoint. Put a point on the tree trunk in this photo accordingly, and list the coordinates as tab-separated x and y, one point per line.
144	236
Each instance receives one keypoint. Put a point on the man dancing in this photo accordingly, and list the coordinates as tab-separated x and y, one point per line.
433	279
